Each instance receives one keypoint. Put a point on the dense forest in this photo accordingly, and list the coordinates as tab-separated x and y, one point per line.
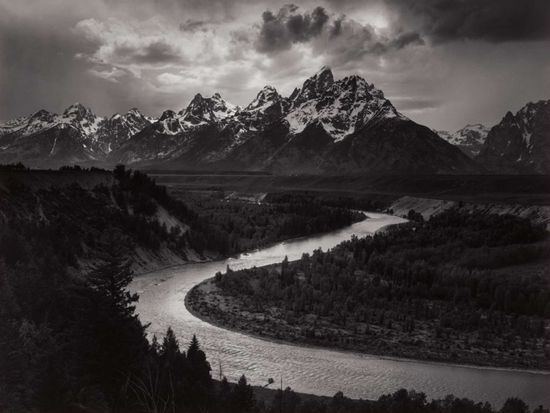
439	290
248	222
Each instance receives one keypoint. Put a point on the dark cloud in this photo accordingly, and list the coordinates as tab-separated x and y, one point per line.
336	27
157	52
337	36
489	20
279	31
450	20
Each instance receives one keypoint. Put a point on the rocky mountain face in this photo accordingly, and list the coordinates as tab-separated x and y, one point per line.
469	139
324	126
520	143
117	129
77	135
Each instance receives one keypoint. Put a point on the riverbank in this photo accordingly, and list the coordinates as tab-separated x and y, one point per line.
205	301
283	303
318	371
427	207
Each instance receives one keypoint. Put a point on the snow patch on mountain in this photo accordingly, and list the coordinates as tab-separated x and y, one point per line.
266	98
203	110
341	107
469	139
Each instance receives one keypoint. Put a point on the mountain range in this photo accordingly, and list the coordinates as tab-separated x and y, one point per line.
324	126
75	136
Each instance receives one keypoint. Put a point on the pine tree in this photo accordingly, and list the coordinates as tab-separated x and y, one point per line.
242	399
116	346
194	347
224	394
155	346
198	366
111	279
170	347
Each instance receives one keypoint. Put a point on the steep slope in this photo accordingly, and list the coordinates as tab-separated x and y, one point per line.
520	143
81	209
469	139
348	126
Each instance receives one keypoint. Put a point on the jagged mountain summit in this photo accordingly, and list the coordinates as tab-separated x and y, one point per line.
469	139
204	110
119	128
324	126
520	143
340	107
75	136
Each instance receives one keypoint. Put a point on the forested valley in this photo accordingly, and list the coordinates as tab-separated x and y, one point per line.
70	339
438	290
252	223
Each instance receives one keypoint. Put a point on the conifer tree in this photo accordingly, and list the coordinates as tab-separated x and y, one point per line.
112	278
242	399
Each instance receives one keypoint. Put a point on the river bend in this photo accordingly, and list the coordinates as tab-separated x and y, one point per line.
313	370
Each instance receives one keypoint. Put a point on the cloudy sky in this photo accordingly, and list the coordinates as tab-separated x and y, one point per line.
444	63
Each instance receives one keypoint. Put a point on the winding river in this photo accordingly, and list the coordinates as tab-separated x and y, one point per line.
315	370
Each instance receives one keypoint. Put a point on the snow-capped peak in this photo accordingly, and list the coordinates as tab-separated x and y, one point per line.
323	69
202	110
470	134
167	114
268	96
222	108
134	111
341	107
469	139
77	110
524	119
81	117
313	87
